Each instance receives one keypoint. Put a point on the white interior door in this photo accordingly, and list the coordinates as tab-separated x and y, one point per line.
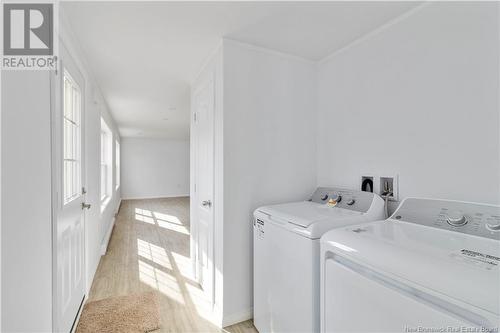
204	184
69	198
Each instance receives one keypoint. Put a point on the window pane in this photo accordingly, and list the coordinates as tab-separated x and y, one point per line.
117	164
106	161
71	139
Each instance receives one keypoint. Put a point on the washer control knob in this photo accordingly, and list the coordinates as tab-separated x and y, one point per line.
493	226
456	219
351	202
336	197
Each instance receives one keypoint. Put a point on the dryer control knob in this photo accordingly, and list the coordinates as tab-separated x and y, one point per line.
456	220
493	227
351	202
336	197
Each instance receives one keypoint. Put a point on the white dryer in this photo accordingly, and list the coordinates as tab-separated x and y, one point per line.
432	267
287	254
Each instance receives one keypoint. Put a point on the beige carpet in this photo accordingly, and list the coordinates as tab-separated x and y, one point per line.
124	314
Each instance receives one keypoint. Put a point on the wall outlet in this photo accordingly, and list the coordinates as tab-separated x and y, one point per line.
389	187
367	184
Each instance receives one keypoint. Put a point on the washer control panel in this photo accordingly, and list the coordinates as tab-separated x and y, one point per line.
336	197
469	218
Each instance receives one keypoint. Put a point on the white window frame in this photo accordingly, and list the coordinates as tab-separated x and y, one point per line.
117	164
72	176
106	170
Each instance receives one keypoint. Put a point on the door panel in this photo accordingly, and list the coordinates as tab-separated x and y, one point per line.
204	178
69	282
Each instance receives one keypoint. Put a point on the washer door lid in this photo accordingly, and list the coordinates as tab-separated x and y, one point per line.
454	265
305	213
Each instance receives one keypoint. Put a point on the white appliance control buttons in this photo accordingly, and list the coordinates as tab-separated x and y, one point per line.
341	198
337	198
493	226
468	218
456	219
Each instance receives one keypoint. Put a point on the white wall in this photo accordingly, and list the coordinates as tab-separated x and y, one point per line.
26	263
269	141
153	168
418	98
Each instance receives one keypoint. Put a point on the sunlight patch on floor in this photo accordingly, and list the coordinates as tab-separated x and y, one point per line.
144	212
165	221
167	218
143	218
174	227
153	253
161	281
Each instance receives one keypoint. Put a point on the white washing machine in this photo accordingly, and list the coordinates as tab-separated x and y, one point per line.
287	255
433	266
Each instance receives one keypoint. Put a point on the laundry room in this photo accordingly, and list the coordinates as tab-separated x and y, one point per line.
250	166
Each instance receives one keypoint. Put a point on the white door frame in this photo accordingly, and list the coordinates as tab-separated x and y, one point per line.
56	142
195	198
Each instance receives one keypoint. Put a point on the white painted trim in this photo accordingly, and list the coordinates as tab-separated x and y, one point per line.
92	271
157	197
51	219
374	32
54	95
78	315
498	95
217	315
117	208
266	50
237	317
104	245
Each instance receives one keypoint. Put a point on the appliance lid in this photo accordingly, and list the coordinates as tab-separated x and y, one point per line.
460	266
305	213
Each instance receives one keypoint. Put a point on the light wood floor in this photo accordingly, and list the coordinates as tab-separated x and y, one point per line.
149	250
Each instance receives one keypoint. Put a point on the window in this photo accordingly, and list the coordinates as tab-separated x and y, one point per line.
72	178
106	169
117	164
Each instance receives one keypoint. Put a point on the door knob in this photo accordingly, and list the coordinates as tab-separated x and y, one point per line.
206	203
85	205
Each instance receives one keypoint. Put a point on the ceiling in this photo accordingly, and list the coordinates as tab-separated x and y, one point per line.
145	54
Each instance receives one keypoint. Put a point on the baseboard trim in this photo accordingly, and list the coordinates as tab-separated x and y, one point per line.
91	277
156	197
118	207
78	315
238	317
104	245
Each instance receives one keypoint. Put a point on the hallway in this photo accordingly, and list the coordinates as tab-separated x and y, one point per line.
149	250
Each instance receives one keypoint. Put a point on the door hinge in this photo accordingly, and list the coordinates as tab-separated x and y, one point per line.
195	117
